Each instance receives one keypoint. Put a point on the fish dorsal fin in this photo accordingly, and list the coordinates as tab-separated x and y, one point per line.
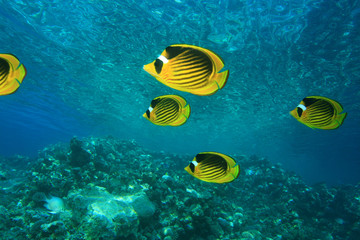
309	101
154	102
200	157
174	51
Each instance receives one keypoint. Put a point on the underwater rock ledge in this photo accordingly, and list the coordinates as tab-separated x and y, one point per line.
115	189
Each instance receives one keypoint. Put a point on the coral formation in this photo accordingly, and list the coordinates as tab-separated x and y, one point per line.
115	189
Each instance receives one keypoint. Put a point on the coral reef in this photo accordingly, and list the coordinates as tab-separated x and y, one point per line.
114	189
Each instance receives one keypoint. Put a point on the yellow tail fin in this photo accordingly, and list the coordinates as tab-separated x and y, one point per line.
221	78
340	118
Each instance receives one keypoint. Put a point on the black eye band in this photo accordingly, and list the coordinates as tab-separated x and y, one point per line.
158	65
192	167
148	113
299	111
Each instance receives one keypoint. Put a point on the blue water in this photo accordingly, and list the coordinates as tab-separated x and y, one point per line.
85	77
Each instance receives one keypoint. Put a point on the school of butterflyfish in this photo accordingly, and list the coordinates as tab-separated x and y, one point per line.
198	71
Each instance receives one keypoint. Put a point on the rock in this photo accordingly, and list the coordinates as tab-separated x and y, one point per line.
4	217
56	229
78	156
143	206
116	217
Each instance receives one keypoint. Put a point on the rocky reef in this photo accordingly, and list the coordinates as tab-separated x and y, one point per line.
114	189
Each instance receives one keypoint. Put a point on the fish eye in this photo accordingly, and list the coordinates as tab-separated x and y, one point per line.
158	65
299	111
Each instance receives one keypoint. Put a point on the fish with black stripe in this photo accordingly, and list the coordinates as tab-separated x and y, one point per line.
319	112
168	110
190	69
12	73
213	167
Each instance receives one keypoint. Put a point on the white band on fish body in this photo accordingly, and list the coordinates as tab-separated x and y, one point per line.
163	59
195	163
150	109
302	107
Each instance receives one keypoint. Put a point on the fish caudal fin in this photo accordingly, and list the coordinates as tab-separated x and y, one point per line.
187	111
340	119
235	171
221	78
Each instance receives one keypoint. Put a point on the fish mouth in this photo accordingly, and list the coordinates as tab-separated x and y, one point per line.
148	70
292	113
145	68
